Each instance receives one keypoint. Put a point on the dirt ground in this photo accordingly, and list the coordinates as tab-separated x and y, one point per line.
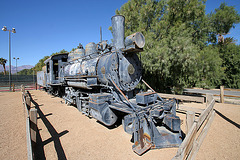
13	141
65	133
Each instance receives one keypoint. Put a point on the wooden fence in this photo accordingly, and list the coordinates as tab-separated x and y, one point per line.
31	123
183	97
221	93
196	131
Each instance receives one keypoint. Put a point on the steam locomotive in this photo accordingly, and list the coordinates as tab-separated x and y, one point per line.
101	81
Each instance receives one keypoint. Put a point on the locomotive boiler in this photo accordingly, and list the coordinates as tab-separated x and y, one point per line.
101	81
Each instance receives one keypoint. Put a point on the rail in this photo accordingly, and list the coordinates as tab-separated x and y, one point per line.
31	123
197	131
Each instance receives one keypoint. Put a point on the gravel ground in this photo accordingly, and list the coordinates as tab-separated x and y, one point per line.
64	133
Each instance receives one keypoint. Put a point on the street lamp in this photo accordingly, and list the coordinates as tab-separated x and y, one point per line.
16	63
13	31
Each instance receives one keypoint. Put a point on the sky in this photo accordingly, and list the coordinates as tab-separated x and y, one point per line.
48	26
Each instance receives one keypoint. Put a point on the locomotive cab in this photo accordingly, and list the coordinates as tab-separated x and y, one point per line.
51	76
53	68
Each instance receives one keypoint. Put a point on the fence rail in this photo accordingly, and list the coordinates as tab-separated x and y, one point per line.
183	97
197	131
222	92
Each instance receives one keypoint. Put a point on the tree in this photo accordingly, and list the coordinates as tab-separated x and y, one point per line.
177	33
172	33
40	64
25	72
3	62
60	52
230	54
209	72
222	20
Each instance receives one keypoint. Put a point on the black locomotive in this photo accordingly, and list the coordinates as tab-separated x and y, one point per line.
101	81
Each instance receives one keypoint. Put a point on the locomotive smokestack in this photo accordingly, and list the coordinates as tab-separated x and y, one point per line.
118	24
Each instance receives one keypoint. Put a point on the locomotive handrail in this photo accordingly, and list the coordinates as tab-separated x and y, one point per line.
84	57
84	76
77	79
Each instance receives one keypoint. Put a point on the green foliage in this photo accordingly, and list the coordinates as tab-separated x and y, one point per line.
26	72
177	32
60	52
209	72
73	49
3	63
230	53
2	73
222	20
39	65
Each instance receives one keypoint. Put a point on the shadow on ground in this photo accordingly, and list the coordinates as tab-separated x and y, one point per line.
227	119
39	153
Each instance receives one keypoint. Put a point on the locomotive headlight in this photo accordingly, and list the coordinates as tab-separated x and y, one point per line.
131	69
135	40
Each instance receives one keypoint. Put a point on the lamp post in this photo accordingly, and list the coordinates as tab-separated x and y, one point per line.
16	63
13	31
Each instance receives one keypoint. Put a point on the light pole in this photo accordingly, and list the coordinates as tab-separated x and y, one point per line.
16	63
13	31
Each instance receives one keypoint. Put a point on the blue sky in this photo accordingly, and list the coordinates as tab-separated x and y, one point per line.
48	26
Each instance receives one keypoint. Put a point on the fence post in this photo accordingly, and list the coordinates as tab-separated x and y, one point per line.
190	117
13	87
28	102
23	88
33	127
221	94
